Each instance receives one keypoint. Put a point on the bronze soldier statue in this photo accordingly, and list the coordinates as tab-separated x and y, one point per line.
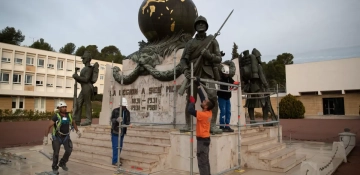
204	67
88	76
254	82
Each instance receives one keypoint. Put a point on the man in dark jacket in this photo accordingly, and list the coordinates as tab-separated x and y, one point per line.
116	118
224	100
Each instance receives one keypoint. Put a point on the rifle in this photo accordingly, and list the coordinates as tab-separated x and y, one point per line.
186	81
75	87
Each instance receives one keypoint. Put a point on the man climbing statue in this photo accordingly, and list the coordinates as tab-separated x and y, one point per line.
205	66
88	76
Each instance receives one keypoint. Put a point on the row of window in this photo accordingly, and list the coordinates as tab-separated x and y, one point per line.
40	63
5	78
39	103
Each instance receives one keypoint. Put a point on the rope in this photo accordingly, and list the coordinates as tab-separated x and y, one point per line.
332	158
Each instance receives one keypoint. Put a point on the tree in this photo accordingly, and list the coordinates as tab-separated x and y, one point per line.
69	48
41	44
80	51
235	53
94	51
290	107
111	53
11	36
275	69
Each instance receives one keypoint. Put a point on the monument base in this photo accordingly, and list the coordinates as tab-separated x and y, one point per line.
222	154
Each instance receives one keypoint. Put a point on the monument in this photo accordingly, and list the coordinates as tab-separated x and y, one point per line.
255	81
150	74
88	76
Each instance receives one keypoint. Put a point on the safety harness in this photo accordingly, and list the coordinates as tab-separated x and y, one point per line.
58	125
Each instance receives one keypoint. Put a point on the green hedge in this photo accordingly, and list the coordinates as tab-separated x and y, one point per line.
29	115
291	108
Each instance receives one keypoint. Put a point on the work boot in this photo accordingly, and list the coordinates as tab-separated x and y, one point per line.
86	123
215	130
186	128
228	129
55	170
63	166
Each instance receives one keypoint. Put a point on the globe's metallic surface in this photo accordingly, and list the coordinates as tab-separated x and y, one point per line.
160	18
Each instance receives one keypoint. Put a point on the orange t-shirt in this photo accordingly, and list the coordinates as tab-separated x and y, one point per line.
203	120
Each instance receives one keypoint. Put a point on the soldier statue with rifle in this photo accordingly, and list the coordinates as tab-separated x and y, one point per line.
88	76
204	52
254	80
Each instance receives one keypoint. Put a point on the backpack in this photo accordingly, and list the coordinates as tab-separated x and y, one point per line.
95	73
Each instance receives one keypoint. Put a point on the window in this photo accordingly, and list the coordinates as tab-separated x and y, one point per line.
5	60
102	67
16	79
28	79
41	62
17	103
29	61
18	61
4	77
13	104
60	64
101	77
50	66
21	103
39	104
333	106
69	83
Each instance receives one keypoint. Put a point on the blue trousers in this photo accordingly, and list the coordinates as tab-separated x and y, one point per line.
114	141
225	111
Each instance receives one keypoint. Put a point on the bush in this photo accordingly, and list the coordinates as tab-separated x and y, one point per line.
291	108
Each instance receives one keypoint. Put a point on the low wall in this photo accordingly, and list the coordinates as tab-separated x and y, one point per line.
14	134
319	130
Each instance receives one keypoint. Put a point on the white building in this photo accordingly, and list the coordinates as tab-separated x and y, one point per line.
35	79
326	87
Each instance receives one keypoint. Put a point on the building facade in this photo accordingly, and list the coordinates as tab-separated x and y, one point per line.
33	79
326	87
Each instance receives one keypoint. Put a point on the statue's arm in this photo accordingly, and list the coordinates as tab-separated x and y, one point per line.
214	53
84	79
184	61
217	53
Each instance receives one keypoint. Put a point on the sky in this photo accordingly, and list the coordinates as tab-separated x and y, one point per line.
273	27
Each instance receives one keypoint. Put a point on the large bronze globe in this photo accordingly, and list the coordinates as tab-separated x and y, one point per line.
160	18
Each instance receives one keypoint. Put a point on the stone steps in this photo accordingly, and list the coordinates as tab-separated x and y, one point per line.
268	149
278	156
129	136
288	163
253	136
260	151
258	143
145	149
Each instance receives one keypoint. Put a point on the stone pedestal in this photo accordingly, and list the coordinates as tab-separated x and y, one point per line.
222	154
152	101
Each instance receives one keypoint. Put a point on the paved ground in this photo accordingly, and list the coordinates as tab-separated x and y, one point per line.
36	162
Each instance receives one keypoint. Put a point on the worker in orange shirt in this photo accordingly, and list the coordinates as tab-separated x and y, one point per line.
203	120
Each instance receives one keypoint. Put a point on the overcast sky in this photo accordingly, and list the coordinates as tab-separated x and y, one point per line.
271	26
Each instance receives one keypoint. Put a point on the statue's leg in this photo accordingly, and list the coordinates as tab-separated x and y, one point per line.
212	95
265	110
88	107
251	112
78	108
187	127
